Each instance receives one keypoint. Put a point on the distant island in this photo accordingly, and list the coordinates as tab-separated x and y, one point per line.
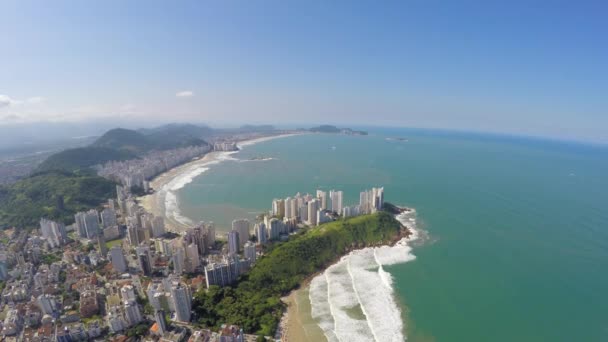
397	139
334	129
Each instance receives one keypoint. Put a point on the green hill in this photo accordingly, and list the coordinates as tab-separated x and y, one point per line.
124	139
325	129
255	304
161	138
23	203
82	157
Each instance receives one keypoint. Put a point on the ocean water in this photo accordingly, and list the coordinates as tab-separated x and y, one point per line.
517	230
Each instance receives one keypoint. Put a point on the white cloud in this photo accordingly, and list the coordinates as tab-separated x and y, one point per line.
185	93
35	99
5	101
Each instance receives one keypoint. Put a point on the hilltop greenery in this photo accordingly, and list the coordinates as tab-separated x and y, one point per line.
255	304
82	157
163	138
124	139
23	203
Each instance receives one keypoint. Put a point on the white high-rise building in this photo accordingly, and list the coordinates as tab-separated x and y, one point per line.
274	229
278	207
313	207
158	226
53	232
183	302
210	226
336	201
127	293
118	259
233	242
260	232
132	313
179	256
249	251
242	228
288	210
194	260
91	221
108	217
47	304
80	223
303	213
322	196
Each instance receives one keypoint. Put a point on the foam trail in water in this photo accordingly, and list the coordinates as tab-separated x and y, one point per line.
169	190
350	288
320	309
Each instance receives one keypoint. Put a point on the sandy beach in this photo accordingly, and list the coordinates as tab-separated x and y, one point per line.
166	183
297	323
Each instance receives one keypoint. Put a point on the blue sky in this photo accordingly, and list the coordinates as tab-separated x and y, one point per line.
513	67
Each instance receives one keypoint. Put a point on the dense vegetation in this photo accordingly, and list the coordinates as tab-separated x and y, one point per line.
255	303
82	157
23	203
164	138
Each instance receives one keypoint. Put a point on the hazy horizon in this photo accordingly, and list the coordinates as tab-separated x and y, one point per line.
532	70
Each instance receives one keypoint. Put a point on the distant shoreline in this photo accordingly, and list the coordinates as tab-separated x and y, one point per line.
156	202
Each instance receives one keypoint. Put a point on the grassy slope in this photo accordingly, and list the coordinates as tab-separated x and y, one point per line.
23	203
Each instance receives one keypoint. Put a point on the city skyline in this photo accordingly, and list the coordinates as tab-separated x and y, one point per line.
512	69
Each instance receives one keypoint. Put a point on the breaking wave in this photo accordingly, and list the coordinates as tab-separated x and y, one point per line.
353	300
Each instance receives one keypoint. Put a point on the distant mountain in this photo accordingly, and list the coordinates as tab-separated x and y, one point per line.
161	138
325	129
258	128
122	144
334	129
66	176
195	131
82	157
124	139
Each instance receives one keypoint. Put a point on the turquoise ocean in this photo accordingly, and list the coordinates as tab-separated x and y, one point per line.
517	246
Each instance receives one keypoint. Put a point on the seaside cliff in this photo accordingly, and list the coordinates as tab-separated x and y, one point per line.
254	303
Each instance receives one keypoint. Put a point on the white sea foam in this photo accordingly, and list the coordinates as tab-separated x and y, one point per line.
168	192
358	283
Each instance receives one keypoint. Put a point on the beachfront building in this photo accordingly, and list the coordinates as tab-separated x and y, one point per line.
313	207
336	201
322	197
242	228
249	251
274	229
278	207
261	233
233	242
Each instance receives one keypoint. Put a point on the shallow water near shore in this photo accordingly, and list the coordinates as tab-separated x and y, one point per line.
518	228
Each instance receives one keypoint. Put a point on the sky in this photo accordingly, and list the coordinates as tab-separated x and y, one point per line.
530	67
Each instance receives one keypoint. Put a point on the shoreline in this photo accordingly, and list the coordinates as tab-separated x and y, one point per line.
294	322
165	183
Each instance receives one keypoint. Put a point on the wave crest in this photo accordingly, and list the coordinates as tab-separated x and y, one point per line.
346	301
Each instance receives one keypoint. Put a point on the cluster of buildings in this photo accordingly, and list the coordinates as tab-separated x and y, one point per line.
117	267
286	214
136	172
